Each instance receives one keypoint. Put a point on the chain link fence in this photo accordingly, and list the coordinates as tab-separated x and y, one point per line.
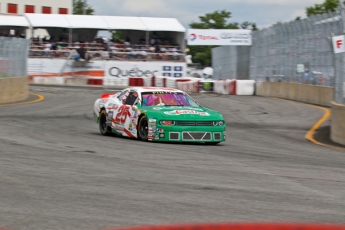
298	51
13	56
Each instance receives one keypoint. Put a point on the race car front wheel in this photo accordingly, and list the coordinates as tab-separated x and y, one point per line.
143	128
103	128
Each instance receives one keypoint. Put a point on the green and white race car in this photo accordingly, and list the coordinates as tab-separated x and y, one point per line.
158	114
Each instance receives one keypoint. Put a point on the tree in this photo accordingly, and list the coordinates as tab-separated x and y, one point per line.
215	20
116	36
326	7
81	7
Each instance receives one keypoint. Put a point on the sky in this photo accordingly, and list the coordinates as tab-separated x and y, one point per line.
262	12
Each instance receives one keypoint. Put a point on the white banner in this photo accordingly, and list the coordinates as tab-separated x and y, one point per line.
57	67
145	69
211	37
338	44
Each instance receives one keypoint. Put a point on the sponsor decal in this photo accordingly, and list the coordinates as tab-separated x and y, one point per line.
181	112
110	114
119	128
134	72
161	135
166	68
202	37
160	130
112	107
157	137
151	127
167	74
235	36
177	74
192	37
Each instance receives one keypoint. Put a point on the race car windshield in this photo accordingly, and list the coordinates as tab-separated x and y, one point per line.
167	99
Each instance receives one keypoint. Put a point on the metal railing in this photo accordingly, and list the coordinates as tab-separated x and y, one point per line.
105	55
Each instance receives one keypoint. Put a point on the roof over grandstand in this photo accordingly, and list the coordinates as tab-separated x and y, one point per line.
103	22
13	21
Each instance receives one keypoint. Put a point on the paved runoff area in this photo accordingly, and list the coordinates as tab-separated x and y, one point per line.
58	172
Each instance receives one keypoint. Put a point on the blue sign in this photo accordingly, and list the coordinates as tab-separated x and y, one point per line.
178	68
166	68
167	74
177	74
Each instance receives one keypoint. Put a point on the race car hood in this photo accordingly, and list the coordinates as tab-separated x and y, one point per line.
183	113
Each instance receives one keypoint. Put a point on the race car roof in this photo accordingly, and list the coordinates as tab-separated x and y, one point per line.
154	89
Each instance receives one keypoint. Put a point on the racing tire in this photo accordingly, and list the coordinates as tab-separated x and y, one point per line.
103	128
143	128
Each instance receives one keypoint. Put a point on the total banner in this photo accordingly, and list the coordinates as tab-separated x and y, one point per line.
116	69
220	37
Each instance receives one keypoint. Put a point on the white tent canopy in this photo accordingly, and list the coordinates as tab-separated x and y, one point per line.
104	22
87	25
15	21
124	23
86	22
162	24
47	20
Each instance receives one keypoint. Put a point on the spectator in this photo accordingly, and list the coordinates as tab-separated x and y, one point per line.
81	51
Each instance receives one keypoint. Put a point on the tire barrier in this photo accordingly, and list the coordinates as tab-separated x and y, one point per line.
93	81
48	80
114	81
189	86
206	86
234	87
245	87
136	81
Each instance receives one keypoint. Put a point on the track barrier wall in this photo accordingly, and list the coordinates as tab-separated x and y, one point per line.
13	89
14	84
312	94
337	123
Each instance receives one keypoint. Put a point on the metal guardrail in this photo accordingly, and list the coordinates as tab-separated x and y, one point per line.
104	55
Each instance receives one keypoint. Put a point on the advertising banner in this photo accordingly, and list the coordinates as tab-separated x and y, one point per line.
212	37
116	69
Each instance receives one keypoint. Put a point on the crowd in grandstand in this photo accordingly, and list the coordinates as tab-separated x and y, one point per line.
102	48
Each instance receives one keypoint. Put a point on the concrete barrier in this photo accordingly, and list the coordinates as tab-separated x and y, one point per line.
338	123
13	89
312	94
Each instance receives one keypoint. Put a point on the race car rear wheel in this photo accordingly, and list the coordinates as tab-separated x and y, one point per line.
143	128
103	128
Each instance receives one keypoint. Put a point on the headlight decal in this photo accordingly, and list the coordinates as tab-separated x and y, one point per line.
167	123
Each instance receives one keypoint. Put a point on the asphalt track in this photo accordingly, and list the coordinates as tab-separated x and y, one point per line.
58	172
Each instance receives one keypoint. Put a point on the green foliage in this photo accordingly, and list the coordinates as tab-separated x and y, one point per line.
78	7
215	20
116	36
326	7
